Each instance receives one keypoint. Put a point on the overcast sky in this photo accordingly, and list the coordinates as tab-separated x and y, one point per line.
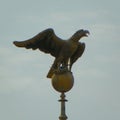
26	93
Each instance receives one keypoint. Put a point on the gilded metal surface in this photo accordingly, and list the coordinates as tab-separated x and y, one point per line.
63	114
62	82
63	50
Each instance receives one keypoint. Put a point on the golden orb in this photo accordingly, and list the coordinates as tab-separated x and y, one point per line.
62	81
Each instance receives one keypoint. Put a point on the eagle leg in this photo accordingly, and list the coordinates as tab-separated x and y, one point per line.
53	68
59	64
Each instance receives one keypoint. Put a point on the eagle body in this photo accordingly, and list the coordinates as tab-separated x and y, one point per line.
63	50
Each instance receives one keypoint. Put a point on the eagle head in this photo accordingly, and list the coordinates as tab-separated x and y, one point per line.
82	33
79	34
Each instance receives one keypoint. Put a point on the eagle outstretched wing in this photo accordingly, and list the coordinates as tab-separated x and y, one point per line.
45	41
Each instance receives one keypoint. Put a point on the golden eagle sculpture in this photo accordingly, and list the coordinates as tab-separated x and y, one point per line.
66	52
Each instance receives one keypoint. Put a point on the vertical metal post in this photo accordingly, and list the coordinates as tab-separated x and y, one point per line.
62	100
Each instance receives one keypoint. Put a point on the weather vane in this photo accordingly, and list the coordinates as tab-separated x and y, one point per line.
66	52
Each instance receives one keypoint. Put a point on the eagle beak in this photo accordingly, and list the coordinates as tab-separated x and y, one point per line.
87	33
